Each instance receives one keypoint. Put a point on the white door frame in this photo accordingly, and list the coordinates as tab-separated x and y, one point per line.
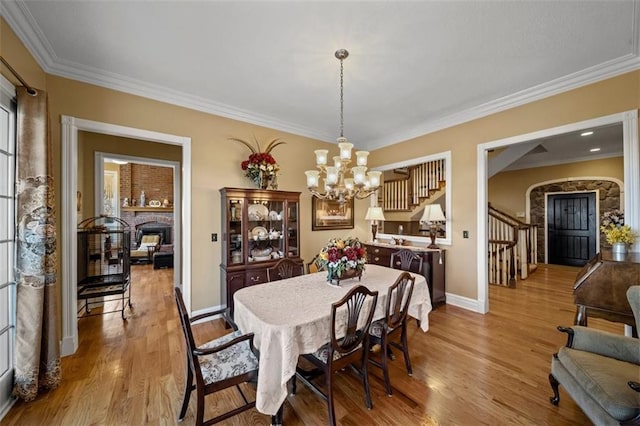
631	149
70	128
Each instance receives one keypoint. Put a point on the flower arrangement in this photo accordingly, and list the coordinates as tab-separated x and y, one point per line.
342	257
613	227
261	167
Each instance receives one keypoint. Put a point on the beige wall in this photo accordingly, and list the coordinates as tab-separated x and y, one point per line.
95	142
611	96
507	190
215	160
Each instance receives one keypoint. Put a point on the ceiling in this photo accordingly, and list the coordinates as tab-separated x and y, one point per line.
414	67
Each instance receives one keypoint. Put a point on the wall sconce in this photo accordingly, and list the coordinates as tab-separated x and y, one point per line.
374	214
433	215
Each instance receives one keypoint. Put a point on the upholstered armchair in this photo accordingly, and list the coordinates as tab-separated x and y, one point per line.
601	371
146	246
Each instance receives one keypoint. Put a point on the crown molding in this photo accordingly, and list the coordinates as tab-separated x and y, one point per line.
25	27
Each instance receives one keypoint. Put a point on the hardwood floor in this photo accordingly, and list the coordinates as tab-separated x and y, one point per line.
468	368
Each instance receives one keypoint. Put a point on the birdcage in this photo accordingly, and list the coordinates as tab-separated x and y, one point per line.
104	277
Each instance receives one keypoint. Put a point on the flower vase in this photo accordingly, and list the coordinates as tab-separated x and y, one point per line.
619	248
334	278
263	180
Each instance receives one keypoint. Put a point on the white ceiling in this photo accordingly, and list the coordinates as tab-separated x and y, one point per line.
414	67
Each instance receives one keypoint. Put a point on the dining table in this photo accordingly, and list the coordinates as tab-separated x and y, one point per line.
292	316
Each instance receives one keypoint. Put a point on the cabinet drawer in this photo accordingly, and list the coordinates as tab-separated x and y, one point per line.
256	277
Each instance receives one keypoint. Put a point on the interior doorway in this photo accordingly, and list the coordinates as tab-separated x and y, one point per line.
71	126
631	159
571	228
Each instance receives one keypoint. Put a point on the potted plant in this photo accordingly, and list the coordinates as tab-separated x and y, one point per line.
616	232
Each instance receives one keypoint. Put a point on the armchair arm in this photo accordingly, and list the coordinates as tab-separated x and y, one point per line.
603	343
225	312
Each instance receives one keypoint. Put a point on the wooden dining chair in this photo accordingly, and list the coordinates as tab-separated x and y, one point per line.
316	265
345	351
284	268
403	259
393	324
219	364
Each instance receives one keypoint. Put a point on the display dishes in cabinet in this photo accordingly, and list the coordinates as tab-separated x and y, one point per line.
258	212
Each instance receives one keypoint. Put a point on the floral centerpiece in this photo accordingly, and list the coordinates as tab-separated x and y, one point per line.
344	258
261	167
615	231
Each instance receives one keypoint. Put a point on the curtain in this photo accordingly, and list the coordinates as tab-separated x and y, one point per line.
37	354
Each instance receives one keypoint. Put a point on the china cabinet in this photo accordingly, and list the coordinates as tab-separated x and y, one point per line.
259	227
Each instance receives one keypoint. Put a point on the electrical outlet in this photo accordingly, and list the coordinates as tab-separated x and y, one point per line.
214	237
465	234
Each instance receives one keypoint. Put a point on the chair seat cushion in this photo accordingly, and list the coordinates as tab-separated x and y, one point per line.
323	353
230	362
605	380
377	328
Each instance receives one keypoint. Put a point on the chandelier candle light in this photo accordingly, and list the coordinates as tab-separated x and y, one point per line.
433	215
374	214
336	185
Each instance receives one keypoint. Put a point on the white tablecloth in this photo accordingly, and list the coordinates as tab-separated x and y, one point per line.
293	316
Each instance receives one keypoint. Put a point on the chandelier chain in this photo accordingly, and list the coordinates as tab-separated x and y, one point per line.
341	99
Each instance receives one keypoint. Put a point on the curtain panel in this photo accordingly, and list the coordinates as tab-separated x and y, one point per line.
37	354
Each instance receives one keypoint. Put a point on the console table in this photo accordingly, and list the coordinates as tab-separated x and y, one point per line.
433	265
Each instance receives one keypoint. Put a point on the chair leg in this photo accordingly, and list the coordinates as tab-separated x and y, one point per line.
405	351
332	414
365	380
188	388
384	354
200	407
555	399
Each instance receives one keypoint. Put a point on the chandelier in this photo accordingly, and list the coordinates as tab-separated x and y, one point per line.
337	186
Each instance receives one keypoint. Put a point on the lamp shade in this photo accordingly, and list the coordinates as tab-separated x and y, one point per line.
374	213
432	213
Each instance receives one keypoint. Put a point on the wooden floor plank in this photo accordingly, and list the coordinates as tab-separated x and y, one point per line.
468	369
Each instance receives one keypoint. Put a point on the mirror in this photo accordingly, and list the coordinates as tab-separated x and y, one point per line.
408	187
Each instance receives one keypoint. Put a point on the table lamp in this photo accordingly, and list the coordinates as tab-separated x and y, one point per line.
374	214
432	215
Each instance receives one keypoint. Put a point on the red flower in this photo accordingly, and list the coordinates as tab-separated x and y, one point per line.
244	164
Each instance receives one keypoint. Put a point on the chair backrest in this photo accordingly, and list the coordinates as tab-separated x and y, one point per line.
316	265
633	295
403	258
359	301
284	268
188	334
398	300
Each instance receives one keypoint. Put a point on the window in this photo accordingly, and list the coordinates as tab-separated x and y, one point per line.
7	241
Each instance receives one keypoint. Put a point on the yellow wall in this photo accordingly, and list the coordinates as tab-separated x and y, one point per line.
215	160
95	142
507	190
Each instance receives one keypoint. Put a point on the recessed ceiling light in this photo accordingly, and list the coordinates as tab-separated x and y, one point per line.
589	133
594	149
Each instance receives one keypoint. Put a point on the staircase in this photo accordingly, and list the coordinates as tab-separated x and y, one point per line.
512	248
420	182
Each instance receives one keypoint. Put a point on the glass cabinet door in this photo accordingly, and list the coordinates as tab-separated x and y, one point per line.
234	247
265	230
292	229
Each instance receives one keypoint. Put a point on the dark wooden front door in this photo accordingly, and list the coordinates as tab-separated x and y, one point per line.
572	228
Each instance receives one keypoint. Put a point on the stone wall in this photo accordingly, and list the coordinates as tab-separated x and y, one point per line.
609	198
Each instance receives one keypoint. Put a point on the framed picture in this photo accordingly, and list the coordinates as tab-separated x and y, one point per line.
328	214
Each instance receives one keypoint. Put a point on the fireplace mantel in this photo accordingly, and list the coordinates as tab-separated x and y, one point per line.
147	209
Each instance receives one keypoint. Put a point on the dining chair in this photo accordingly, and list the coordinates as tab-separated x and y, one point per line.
351	348
316	265
219	364
284	268
393	324
403	259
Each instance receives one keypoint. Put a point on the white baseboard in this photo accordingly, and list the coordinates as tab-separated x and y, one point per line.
7	407
464	302
206	311
68	346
